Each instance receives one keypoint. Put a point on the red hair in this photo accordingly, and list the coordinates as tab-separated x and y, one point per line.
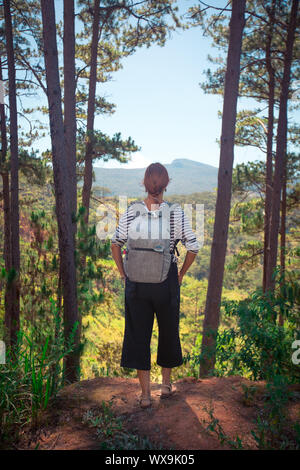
156	179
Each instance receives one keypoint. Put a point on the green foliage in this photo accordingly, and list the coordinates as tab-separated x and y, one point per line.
38	372
254	71
105	147
33	168
89	273
246	229
40	265
250	341
250	215
101	295
31	376
257	346
273	429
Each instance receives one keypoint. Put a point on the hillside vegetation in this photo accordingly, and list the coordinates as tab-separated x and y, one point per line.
128	181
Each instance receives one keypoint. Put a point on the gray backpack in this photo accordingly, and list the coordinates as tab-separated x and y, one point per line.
148	256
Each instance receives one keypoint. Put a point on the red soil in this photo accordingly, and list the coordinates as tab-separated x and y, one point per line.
178	422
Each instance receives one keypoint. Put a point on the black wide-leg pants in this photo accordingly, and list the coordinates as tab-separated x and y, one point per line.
142	301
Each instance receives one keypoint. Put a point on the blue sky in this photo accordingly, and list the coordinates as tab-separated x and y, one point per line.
161	105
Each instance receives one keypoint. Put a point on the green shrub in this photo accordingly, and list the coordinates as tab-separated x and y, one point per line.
31	376
258	346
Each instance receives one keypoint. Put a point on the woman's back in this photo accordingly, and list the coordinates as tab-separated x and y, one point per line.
180	228
143	300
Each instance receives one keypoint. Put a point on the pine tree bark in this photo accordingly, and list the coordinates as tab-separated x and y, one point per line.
282	239
219	244
62	188
6	217
70	112
14	319
281	147
70	100
270	136
88	165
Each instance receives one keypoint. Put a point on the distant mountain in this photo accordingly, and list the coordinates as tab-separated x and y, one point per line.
187	177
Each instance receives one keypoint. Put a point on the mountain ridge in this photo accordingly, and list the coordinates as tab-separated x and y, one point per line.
186	177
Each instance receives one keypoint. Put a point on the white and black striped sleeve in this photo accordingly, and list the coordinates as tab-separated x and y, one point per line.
185	232
121	234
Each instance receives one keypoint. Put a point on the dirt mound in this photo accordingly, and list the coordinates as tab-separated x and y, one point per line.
178	422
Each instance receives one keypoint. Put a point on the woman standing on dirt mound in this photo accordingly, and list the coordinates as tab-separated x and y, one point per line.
151	229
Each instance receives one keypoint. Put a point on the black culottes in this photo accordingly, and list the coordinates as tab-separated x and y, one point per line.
142	301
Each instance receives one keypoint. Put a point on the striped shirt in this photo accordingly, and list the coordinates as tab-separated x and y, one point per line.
180	230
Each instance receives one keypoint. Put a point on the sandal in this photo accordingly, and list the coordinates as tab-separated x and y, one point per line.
166	390
145	402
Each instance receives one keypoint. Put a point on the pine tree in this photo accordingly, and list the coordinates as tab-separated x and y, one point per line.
261	77
6	215
281	148
13	319
219	244
62	189
117	29
70	101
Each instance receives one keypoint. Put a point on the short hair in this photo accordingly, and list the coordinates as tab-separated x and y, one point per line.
156	179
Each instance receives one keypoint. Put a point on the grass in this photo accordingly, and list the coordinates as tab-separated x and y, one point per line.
111	432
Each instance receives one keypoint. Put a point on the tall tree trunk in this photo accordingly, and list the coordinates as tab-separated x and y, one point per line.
62	188
283	237
70	111
88	165
219	244
70	100
281	148
269	161
14	165
6	214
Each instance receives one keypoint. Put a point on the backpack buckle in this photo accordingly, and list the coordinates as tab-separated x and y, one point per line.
159	248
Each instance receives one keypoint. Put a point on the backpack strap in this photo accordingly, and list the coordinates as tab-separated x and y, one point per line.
175	248
173	224
136	202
